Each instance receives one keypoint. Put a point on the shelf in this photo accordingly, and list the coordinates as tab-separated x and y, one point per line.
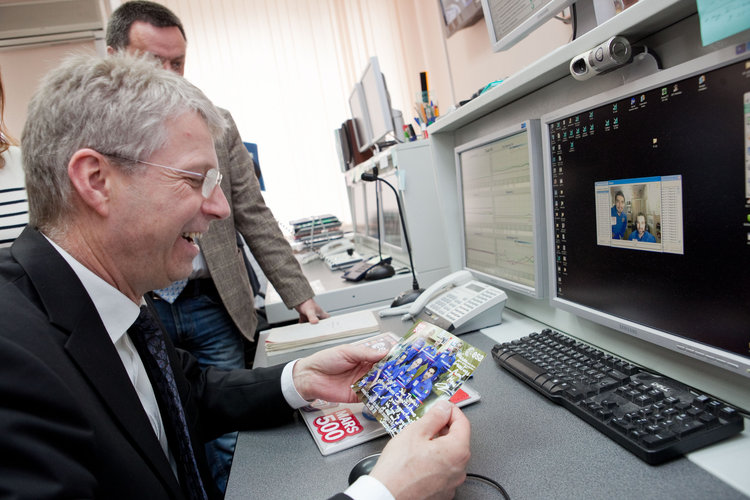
637	22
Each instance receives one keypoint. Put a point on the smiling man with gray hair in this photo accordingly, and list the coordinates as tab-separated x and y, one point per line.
95	401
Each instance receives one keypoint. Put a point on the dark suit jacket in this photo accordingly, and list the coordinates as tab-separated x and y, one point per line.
254	220
71	424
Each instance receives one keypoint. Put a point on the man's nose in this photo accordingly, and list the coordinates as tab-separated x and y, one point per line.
217	205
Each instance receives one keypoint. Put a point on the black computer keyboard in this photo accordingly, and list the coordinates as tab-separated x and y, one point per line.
654	417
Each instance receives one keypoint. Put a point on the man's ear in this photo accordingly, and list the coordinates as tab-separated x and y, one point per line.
91	176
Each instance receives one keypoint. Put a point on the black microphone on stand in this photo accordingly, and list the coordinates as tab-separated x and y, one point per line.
406	296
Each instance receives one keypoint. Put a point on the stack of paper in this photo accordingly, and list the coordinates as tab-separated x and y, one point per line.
303	335
338	426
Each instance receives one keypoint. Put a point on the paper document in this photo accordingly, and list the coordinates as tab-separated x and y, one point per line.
338	426
720	19
335	327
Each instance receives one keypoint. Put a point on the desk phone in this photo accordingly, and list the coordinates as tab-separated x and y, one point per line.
342	260
457	303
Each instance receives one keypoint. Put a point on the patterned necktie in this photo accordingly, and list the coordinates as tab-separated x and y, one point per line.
149	341
173	291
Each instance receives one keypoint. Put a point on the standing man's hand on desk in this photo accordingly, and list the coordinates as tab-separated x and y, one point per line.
310	311
427	459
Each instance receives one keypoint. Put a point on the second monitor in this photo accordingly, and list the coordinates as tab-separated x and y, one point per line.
501	199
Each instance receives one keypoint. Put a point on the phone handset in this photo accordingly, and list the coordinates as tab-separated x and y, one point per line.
334	247
410	311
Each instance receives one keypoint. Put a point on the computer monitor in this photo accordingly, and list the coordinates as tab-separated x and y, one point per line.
501	199
358	207
361	118
510	21
378	103
371	204
363	204
393	239
648	195
459	14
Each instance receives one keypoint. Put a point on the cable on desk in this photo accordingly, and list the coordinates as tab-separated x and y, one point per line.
492	482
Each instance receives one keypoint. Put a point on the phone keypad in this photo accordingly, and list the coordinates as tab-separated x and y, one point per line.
458	302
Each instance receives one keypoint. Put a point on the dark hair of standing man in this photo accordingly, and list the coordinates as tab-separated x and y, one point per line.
118	28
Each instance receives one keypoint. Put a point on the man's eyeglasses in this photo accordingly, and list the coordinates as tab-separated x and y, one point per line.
211	179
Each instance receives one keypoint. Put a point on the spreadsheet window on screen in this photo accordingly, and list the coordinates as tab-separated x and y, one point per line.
500	217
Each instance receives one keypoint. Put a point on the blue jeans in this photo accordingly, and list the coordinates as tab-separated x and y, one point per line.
202	326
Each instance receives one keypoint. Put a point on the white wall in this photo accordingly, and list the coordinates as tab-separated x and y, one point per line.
466	62
21	71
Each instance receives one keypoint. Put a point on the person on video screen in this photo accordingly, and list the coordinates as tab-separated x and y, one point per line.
619	218
641	233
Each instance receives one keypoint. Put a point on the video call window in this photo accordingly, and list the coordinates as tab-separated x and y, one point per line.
640	214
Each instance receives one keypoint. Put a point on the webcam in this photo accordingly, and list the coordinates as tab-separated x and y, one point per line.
604	57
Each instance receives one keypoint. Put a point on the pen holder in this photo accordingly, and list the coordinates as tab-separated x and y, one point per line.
427	112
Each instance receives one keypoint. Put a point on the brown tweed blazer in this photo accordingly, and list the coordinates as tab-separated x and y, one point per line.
254	220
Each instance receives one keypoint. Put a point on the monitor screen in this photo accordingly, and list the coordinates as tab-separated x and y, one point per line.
649	201
459	14
378	102
359	208
371	204
360	117
391	220
509	21
501	199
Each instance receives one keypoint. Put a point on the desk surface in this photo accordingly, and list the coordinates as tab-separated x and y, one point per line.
337	295
528	444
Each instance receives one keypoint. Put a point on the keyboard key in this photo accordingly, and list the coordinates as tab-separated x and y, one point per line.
714	406
643	400
700	401
707	418
604	414
687	427
621	425
654	440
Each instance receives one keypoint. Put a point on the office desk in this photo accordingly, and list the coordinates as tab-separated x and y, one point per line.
534	448
336	295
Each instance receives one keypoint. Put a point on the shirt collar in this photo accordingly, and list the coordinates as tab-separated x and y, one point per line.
116	311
